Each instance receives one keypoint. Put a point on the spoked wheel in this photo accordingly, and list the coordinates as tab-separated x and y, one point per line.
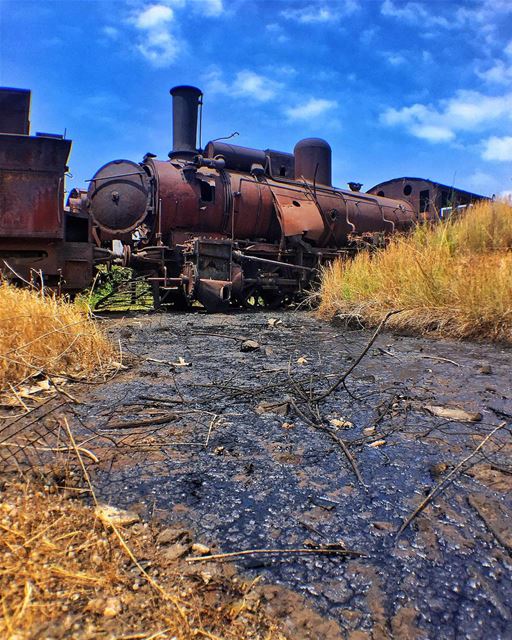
251	298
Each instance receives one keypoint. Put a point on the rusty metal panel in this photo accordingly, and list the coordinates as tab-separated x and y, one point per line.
32	186
298	216
14	110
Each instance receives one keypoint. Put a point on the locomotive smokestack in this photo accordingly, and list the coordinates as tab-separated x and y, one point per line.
185	103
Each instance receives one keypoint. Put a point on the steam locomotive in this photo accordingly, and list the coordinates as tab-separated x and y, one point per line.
229	224
226	225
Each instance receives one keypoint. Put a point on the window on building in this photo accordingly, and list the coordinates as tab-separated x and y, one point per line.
424	200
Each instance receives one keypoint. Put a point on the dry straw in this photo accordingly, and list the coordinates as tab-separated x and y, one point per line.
42	334
64	574
452	279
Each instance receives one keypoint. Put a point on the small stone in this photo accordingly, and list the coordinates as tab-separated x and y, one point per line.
280	407
453	413
171	535
485	370
369	431
340	423
249	345
114	516
200	549
383	526
112	608
438	469
176	551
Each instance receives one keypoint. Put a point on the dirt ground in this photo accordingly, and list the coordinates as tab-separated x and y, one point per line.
233	442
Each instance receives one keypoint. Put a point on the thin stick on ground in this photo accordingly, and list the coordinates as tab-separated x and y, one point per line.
435	491
341	379
269	552
341	443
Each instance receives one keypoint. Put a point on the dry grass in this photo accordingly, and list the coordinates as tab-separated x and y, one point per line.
40	333
65	575
452	279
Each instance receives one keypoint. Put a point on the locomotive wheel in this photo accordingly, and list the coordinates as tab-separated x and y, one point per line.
251	298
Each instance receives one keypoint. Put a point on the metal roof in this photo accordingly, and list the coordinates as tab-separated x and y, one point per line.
433	182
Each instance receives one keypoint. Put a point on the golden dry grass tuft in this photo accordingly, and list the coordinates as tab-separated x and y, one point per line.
452	279
66	575
40	333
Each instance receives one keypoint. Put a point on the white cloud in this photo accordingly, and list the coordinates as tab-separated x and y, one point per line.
433	133
395	59
110	32
499	149
481	181
211	7
161	48
499	73
276	32
466	111
481	15
501	70
252	85
154	16
310	109
158	43
323	13
158	24
368	35
415	13
245	84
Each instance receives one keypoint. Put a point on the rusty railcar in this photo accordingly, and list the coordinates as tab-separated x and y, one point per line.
40	238
430	199
229	224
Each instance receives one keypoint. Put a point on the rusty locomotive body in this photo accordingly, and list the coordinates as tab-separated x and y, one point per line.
40	238
231	225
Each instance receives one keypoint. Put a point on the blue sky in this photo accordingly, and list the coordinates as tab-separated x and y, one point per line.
397	88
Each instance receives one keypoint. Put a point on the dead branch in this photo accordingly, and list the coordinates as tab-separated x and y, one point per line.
145	422
440	359
339	441
435	491
341	379
267	552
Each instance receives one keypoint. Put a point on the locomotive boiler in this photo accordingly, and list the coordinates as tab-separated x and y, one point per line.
229	224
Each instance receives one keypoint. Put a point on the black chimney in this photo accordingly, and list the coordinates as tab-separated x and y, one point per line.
14	111
185	102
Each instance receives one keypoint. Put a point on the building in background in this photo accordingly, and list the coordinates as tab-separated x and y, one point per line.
429	198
